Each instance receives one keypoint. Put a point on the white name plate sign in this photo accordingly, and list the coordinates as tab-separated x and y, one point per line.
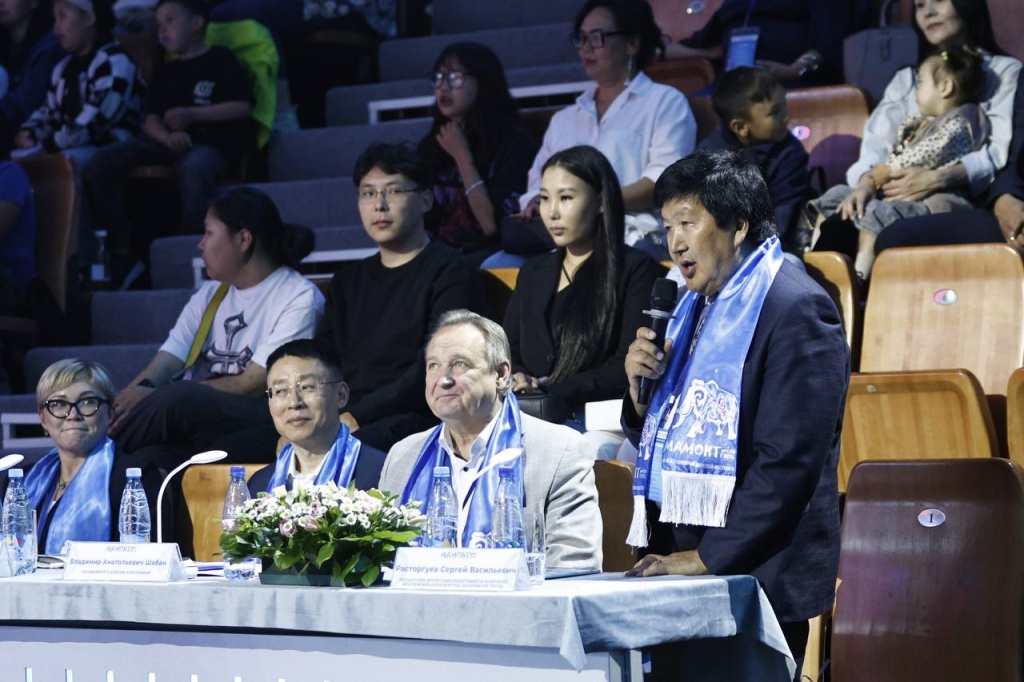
471	570
113	561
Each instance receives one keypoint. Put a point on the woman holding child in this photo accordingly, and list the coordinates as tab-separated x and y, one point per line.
575	310
944	25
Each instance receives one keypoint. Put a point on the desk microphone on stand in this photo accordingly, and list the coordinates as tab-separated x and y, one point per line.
201	458
663	301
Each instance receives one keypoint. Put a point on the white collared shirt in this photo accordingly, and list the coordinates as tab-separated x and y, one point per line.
464	472
646	129
305	479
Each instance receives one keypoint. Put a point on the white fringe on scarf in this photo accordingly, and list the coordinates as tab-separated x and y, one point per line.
695	499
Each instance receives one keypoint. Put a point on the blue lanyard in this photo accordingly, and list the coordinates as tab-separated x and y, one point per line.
746	17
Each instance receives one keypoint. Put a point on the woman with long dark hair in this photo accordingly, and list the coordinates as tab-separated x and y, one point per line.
478	151
28	52
575	310
941	24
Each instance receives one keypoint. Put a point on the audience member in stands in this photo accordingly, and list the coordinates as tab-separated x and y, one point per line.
949	126
104	106
307	393
739	442
1000	221
751	104
477	152
381	309
197	119
28	52
17	237
76	488
576	310
800	41
207	381
944	24
639	125
468	374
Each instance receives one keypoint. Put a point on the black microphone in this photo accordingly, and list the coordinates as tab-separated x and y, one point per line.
663	302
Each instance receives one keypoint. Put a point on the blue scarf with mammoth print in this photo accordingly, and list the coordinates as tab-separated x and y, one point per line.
688	448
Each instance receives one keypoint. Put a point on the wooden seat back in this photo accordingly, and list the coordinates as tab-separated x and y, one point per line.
915	415
615	497
498	285
204	488
685	75
57	201
920	600
820	112
1015	417
834	272
947	306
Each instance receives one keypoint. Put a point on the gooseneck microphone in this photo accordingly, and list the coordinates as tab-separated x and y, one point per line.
663	302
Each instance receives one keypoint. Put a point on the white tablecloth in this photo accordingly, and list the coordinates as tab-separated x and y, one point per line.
576	615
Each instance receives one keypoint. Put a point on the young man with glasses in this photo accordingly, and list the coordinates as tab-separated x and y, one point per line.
306	393
380	309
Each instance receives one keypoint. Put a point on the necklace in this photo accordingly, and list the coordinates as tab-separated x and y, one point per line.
61	485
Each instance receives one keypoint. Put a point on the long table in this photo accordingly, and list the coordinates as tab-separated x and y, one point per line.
208	629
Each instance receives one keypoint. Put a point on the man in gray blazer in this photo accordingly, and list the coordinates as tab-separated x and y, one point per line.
468	380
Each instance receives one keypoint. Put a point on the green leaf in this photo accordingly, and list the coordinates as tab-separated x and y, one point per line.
325	553
370	577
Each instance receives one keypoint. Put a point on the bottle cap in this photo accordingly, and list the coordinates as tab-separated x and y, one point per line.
238	471
100	233
442	471
134	472
15	473
506	472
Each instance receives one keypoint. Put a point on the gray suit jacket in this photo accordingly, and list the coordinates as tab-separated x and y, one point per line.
558	478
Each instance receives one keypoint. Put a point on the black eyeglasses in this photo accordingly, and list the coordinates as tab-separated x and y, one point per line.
305	390
87	407
372	196
455	79
593	39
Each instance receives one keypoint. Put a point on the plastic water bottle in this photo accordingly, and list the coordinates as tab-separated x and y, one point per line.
133	521
443	511
237	495
17	526
507	525
99	271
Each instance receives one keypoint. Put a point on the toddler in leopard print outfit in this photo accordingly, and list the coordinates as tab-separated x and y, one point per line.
948	126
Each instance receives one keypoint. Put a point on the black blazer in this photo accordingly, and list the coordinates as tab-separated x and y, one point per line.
367	475
783	522
1010	180
531	341
151	480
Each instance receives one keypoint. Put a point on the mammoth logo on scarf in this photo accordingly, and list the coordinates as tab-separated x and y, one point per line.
705	403
703	428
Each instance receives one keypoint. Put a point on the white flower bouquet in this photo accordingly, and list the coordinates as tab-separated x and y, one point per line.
338	536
